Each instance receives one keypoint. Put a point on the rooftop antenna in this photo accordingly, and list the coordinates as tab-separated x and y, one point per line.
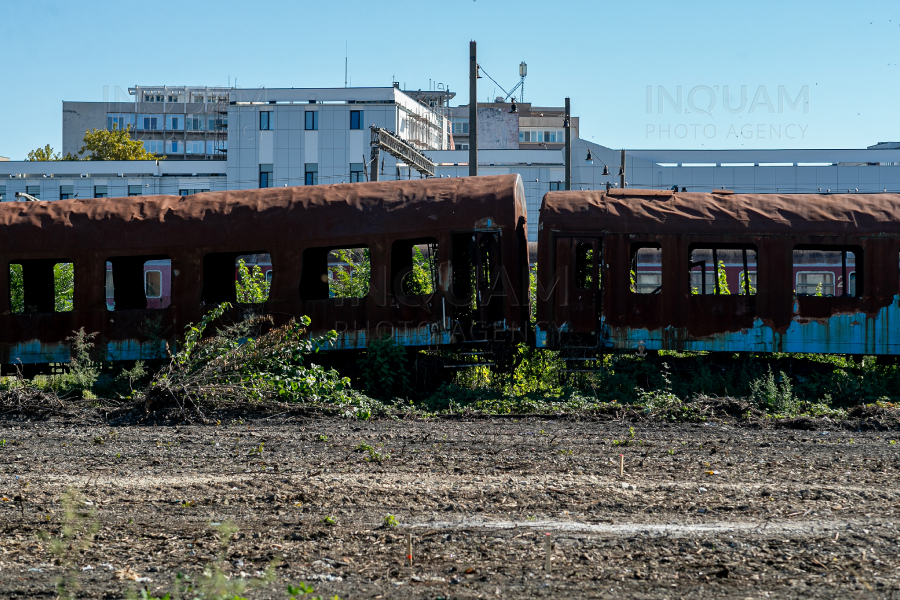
345	64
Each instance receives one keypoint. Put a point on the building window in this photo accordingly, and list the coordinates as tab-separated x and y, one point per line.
462	146
556	186
312	120
194	147
552	136
33	190
460	127
100	191
265	120
191	192
356	119
154	146
2	193
174	123
175	147
265	176
149	123
357	173
217	123
312	173
135	190
194	122
66	192
216	147
119	121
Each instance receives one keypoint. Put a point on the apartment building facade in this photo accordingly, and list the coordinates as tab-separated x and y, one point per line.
178	122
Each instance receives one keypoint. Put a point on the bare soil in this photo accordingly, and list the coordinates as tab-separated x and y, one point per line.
701	511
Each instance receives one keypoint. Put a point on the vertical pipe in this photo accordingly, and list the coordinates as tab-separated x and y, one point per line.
716	269
473	110
702	277
746	273
622	176
568	157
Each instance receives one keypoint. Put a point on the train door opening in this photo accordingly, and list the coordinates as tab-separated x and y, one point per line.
579	299
477	286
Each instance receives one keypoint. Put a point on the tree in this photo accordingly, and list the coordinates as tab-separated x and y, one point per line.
114	144
46	153
251	284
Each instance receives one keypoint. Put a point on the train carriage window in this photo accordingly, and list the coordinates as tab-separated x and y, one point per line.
722	270
584	266
646	268
335	273
138	282
236	277
414	267
253	278
828	271
41	286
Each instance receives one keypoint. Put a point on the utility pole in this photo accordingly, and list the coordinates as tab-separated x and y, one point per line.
473	110
568	157
622	171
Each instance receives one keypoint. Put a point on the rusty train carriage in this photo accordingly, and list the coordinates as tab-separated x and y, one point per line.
477	224
590	307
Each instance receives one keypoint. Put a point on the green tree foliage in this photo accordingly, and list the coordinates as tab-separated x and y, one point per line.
420	281
723	279
63	286
250	361
46	153
251	284
742	280
16	289
114	144
350	279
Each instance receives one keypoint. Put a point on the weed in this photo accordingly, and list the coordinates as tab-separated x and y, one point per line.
323	438
390	521
212	583
772	396
329	521
77	531
384	369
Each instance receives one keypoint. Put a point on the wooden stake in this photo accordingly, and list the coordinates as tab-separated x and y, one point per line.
409	548
621	465
549	544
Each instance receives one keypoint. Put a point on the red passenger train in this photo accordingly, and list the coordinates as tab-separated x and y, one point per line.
443	263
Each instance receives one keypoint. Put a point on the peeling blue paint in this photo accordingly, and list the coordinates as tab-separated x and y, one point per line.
853	333
134	350
34	351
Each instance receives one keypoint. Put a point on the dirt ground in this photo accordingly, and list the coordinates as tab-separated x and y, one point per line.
701	511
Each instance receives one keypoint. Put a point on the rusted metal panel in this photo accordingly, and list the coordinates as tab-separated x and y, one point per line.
774	319
282	222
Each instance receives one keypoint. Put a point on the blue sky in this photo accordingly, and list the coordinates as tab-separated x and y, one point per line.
602	54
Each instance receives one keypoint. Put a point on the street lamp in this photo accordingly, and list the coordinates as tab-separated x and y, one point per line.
590	160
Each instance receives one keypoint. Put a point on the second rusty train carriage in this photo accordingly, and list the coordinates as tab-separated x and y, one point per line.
476	228
592	296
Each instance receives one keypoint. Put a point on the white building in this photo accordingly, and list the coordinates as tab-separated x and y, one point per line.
310	136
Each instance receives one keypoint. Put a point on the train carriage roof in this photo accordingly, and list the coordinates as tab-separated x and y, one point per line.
667	212
257	217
